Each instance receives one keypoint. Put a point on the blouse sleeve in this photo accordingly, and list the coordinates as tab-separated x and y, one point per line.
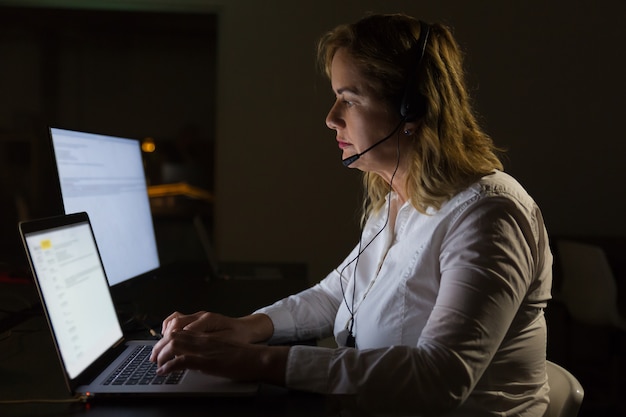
309	314
486	264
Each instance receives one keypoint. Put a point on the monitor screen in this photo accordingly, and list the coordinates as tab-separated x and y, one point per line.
104	176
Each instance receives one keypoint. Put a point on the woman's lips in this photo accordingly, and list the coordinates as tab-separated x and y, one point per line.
343	145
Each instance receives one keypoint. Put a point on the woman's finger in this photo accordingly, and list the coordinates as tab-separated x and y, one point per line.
178	321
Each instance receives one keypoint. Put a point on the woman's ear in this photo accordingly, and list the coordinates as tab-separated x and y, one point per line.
410	128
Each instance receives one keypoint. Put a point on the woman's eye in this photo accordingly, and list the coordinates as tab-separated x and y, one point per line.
344	101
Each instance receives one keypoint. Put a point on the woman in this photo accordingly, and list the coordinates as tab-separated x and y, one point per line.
442	298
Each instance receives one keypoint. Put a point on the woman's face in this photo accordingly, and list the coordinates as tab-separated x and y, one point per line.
361	119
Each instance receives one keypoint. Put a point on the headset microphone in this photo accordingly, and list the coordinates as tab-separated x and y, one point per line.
351	159
348	161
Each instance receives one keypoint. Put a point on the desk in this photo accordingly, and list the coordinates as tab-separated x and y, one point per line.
29	369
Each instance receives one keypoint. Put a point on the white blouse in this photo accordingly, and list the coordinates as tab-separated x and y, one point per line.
448	311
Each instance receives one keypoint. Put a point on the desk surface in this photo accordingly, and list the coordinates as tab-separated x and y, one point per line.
29	369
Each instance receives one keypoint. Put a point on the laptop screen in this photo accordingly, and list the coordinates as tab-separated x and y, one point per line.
104	176
74	289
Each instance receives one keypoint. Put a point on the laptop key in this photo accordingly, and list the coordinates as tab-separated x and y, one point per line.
138	370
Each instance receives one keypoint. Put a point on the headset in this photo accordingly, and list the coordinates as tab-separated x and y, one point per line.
413	104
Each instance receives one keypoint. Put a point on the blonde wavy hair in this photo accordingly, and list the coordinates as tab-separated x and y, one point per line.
449	151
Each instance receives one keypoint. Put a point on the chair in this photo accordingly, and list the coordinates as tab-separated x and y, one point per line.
566	394
589	293
589	289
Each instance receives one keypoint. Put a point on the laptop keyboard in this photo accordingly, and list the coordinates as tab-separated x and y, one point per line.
138	370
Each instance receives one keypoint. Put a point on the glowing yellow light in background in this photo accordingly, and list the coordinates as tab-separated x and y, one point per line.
148	145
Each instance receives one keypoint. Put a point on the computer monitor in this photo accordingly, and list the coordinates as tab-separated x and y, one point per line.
104	176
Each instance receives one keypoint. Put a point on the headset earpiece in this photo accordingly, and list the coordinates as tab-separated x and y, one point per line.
413	104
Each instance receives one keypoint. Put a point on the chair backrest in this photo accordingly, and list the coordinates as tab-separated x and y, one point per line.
589	289
566	394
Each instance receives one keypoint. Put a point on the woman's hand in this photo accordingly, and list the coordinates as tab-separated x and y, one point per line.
211	354
220	345
248	329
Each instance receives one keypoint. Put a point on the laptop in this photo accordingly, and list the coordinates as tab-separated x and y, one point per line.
74	291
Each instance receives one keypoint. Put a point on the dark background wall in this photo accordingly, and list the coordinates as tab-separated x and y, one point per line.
546	78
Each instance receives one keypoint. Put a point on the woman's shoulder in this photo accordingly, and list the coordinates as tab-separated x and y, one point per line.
501	184
497	187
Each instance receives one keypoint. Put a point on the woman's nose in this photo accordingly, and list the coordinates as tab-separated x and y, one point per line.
333	121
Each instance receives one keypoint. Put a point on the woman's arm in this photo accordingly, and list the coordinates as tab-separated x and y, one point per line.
487	265
214	355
